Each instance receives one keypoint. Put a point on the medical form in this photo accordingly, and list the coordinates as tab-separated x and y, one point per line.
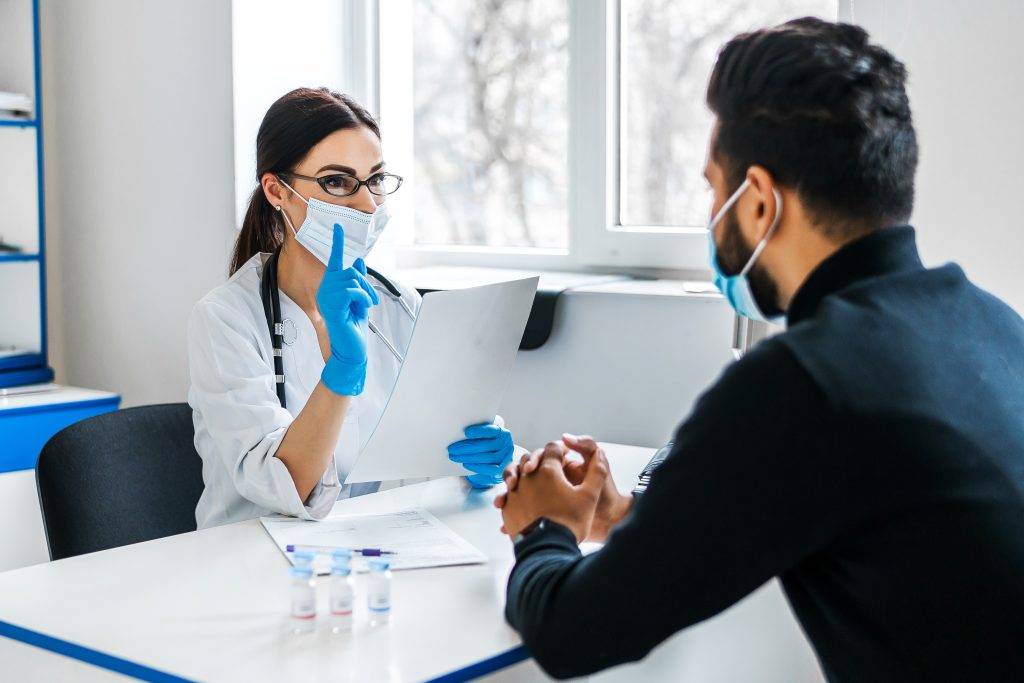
417	538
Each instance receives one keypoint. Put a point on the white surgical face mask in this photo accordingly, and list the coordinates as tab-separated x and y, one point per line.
316	233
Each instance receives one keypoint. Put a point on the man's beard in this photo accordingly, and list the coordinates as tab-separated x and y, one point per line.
733	254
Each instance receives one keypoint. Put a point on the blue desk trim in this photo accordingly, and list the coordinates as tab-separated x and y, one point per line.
486	666
49	407
87	655
145	673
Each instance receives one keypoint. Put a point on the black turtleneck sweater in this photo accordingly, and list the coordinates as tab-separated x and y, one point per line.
871	457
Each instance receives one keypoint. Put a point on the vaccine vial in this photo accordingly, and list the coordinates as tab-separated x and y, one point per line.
343	595
378	598
303	558
303	615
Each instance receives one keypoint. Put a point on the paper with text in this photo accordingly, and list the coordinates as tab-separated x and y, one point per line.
417	538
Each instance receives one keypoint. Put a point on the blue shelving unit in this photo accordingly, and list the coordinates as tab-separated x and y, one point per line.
29	416
32	366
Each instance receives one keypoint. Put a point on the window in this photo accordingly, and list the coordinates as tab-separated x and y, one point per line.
667	51
490	122
556	133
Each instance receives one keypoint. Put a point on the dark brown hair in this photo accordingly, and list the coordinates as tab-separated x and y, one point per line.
292	126
826	112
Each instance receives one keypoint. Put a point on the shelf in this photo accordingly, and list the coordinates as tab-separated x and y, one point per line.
18	258
18	48
28	359
20	192
22	273
19	123
21	315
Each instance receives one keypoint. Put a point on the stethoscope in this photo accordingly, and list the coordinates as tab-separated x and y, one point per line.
272	309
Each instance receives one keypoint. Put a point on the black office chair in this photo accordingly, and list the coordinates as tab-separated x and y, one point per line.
118	478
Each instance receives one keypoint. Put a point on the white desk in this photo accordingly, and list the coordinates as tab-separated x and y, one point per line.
212	605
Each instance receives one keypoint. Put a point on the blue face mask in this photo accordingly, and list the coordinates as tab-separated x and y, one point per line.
736	288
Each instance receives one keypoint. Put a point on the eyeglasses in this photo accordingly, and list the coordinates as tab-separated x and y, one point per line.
345	185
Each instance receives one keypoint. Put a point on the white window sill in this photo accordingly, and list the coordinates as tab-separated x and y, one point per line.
458	277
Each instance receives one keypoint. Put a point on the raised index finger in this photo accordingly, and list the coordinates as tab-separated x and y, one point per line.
337	249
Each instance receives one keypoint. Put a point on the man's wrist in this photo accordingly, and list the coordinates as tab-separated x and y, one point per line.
543	522
610	517
536	524
549	534
621	507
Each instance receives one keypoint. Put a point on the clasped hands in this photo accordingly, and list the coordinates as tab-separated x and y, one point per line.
576	491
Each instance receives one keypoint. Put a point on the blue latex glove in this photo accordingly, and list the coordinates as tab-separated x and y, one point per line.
486	451
344	299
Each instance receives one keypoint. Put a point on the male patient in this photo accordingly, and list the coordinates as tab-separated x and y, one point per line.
872	456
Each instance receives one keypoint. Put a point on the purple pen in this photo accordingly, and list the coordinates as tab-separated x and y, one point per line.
365	552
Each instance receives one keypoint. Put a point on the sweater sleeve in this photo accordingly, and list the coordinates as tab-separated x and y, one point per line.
738	501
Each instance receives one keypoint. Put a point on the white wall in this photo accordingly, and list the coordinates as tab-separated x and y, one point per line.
624	363
139	152
22	539
278	47
967	93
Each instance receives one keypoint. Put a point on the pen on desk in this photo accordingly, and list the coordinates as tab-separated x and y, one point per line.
365	552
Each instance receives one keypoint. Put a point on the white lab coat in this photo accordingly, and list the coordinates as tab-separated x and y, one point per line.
239	423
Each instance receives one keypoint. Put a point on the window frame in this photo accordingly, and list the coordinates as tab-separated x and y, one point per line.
596	238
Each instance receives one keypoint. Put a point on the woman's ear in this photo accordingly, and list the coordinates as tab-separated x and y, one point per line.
273	190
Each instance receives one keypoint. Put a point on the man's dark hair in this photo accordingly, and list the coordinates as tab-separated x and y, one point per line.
826	113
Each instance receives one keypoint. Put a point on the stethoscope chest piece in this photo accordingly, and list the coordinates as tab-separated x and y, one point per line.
290	331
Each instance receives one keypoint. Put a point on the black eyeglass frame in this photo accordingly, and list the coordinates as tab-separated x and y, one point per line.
322	182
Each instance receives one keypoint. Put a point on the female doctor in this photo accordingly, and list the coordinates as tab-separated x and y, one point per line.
280	418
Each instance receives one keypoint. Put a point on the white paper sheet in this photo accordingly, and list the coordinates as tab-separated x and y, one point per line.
417	538
454	375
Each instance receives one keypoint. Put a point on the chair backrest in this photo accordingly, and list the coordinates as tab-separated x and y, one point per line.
122	477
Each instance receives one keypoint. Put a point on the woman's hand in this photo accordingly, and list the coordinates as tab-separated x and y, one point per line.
486	451
344	299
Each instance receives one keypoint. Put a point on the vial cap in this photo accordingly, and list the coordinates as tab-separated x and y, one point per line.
304	557
342	569
341	555
380	565
301	572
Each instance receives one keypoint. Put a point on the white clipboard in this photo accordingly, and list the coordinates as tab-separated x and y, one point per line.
456	368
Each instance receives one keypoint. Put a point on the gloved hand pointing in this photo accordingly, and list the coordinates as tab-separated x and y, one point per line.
344	299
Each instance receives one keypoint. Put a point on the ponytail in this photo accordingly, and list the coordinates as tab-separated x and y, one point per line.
261	231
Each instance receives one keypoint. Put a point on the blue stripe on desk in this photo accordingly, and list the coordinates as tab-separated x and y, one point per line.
145	673
486	666
84	654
